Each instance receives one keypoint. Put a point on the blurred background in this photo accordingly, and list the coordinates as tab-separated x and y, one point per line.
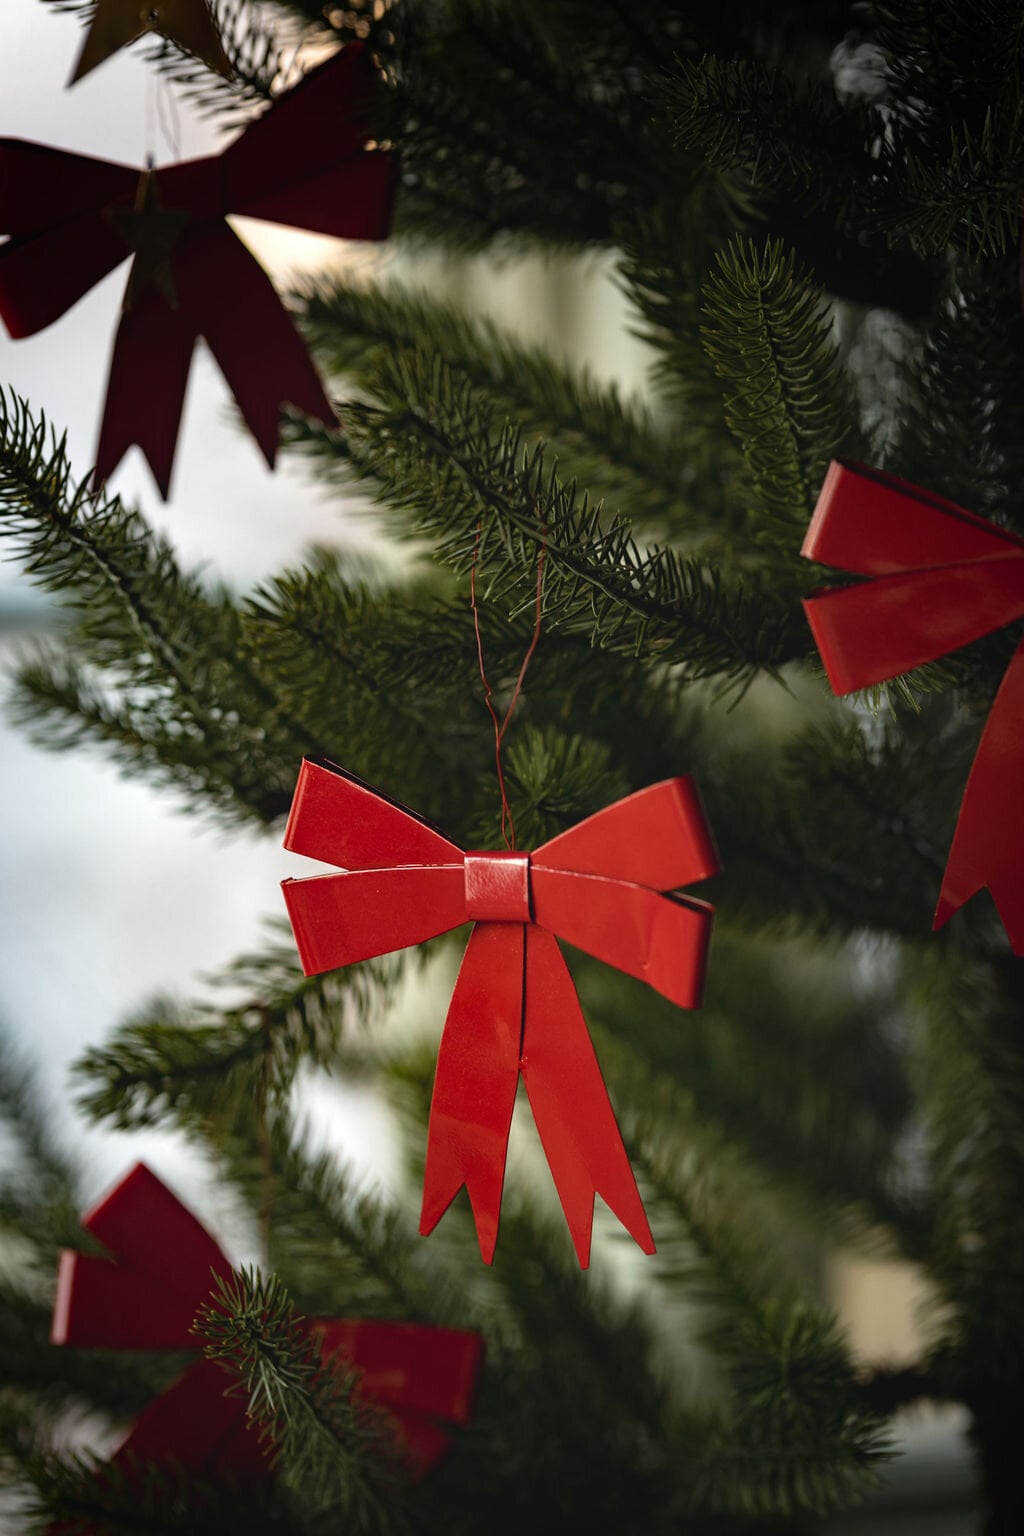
108	895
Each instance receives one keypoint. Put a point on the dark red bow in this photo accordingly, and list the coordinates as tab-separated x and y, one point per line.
514	1008
163	1266
71	221
944	577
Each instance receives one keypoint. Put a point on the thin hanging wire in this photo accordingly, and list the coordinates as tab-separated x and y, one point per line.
508	826
170	122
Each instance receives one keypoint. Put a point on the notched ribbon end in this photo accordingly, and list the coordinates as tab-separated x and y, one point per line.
1007	902
436	1201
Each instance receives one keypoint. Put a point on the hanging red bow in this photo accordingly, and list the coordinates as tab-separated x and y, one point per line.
514	1008
163	1269
72	220
943	577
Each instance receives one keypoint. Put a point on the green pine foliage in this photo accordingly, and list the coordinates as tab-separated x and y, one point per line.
814	214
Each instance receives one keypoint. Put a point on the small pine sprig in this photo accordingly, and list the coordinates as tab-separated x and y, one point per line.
336	1452
786	401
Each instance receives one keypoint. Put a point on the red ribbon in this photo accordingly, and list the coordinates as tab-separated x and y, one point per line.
163	1266
514	1009
304	163
943	577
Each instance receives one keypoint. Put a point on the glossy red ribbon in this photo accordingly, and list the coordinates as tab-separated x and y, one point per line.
942	578
303	163
514	1009
164	1263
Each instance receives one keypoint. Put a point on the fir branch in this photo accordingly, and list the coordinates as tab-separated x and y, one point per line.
972	200
204	1064
768	336
81	1495
745	116
191	691
330	1236
436	458
39	1195
666	252
75	539
613	445
969	1073
851	826
331	1446
718	1222
801	1437
467	74
961	403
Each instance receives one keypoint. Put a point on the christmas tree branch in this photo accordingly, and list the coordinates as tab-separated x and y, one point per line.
38	1189
969	1074
331	1236
79	1494
611	446
204	1063
743	115
436	459
334	1449
800	1436
140	624
786	401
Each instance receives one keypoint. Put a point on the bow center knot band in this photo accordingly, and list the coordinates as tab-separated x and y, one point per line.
498	887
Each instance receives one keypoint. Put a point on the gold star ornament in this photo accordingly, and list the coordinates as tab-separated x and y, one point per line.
186	23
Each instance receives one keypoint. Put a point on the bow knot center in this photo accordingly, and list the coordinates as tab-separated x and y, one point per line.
498	887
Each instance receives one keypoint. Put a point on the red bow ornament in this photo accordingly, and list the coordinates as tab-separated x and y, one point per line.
163	1266
514	1009
943	577
71	220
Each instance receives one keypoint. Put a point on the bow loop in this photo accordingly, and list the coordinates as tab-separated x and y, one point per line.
658	837
661	940
339	819
874	524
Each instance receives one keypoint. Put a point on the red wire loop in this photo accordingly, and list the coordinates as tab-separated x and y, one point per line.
508	826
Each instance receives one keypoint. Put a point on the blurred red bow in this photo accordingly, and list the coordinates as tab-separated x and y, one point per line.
163	1266
72	220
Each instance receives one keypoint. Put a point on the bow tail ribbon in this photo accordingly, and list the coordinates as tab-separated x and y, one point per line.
475	1081
569	1099
149	369
988	844
515	1009
264	361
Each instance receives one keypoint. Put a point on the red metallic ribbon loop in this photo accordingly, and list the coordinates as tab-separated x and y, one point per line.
599	886
942	577
162	1268
303	163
